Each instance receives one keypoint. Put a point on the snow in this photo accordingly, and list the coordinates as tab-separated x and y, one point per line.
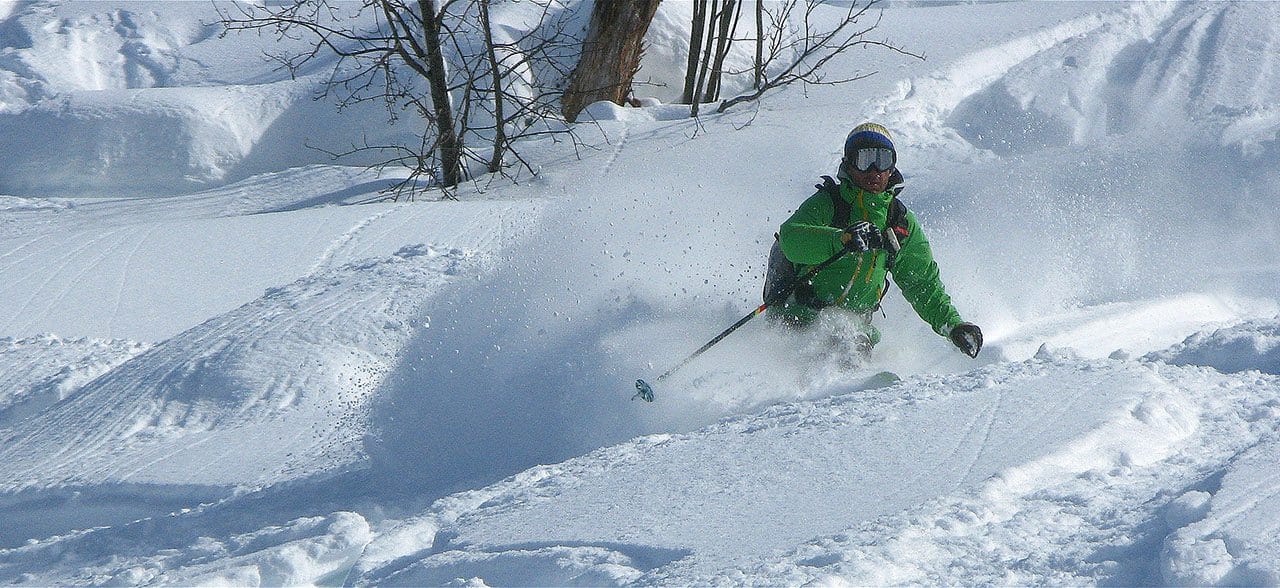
1251	345
227	360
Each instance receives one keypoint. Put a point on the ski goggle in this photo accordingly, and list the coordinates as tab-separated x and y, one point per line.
880	158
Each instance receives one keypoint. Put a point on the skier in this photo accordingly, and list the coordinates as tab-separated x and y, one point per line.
862	212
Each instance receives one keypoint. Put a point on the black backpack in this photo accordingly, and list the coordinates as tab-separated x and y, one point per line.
781	272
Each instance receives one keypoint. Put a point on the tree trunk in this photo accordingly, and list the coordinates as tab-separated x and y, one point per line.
449	146
722	47
696	28
500	125
759	44
610	55
699	92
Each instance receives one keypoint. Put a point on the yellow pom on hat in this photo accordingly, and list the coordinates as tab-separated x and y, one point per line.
875	128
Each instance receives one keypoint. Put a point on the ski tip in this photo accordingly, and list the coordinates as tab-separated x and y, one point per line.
643	391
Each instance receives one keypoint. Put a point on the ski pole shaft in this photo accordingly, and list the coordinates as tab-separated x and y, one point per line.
645	392
742	321
857	269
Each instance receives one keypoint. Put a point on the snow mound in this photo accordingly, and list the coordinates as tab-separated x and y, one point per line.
1229	537
37	372
1075	147
294	552
190	136
650	112
1131	75
285	379
148	99
1253	345
75	46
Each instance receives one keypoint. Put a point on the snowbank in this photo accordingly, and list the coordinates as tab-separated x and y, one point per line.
1226	536
149	99
1253	345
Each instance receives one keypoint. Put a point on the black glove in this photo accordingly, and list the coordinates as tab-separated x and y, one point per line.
968	337
862	237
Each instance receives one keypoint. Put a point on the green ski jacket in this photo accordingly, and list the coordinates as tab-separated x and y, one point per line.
807	239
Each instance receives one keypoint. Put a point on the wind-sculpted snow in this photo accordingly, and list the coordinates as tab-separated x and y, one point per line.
35	373
1254	345
1083	154
1223	534
150	99
294	552
68	46
188	410
1203	73
146	269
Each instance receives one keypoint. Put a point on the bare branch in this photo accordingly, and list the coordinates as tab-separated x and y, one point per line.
813	50
436	60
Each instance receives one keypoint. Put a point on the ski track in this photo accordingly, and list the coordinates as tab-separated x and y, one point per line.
126	476
624	135
985	531
75	281
920	108
123	280
988	417
66	260
963	513
135	425
341	241
408	217
33	241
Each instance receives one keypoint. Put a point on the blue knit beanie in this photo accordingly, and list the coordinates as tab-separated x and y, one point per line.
867	135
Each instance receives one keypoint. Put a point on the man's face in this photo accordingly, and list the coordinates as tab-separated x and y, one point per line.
871	180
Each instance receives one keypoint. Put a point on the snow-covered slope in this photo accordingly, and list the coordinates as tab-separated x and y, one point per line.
238	366
1015	482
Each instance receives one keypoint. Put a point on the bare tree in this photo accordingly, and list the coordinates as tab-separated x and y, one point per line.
437	59
726	33
700	80
517	89
495	73
790	46
759	63
801	57
721	26
372	40
610	55
697	28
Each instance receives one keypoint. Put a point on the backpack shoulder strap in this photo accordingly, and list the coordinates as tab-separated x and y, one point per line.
840	218
898	217
896	182
897	210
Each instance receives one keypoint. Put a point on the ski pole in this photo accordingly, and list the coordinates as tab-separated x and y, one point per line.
857	269
645	392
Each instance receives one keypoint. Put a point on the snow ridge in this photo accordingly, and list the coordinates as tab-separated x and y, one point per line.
319	348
